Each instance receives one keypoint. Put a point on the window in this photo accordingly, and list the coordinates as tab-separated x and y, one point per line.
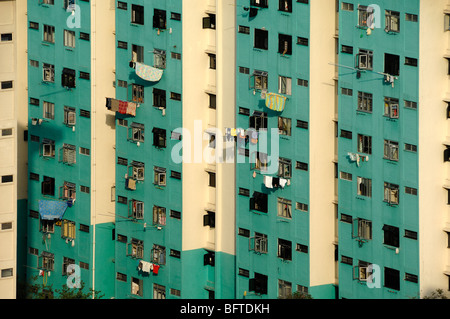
69	3
69	154
285	5
211	179
258	284
69	38
284	167
69	116
135	248
259	3
364	60
410	61
391	64
301	166
159	216
5	37
68	78
364	186
84	36
410	190
212	61
122	5
284	249
391	278
6	226
391	150
48	72
284	208
302	82
391	193
85	151
66	262
176	56
284	289
411	17
411	278
364	144
137	53
365	16
302	41
365	102
391	236
301	248
137	14
284	43
136	132
346	260
392	21
158	254
346	219
48	186
244	29
137	170
137	287
209	219
137	93
84	113
391	107
175	96
346	176
159	19
48	148
49	111
175	16
347	6
259	161
302	124
410	234
364	229
347	49
159	292
261	39
410	147
159	59
159	137
284	85
346	134
49	33
209	22
259	202
136	209
46	226
7	85
258	80
175	214
68	191
46	261
159	98
159	176
301	206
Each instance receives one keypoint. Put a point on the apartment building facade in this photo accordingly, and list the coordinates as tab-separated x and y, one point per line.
70	144
13	151
393	213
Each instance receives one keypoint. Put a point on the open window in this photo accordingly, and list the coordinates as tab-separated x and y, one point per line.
284	289
391	150
159	59
46	261
261	39
366	16
285	5
159	19
361	272
284	249
364	186
259	161
364	60
136	132
259	202
284	85
48	186
66	262
70	116
68	78
362	229
258	243
209	219
159	254
209	22
258	120
159	216
47	226
391	278
135	248
137	170
159	137
209	258
365	102
48	72
68	191
284	208
284	126
159	98
285	44
48	148
137	93
258	80
259	3
258	284
137	54
137	287
284	168
391	64
137	14
160	176
391	236
392	21
364	144
391	107
391	193
136	209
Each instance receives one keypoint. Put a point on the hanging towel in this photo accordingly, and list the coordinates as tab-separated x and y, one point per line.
145	266
115	105
155	269
148	73
123	106
131	109
283	182
275	102
268	181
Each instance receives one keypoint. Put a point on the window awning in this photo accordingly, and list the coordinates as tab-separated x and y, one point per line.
51	210
148	73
